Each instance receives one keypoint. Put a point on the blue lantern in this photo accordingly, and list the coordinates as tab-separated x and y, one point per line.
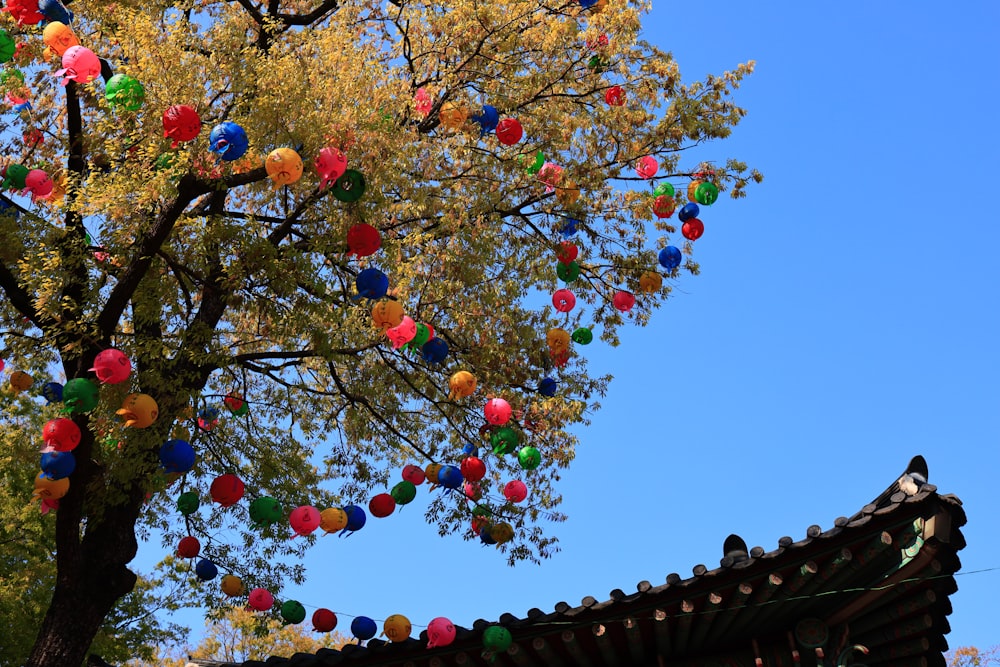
228	140
52	392
450	477
372	284
177	456
356	518
363	628
53	10
57	465
488	119
548	387
485	537
206	570
688	211
670	257
434	351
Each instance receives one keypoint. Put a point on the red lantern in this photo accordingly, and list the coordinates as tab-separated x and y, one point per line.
497	411
623	301
61	435
509	131
472	491
567	252
663	206
414	475
473	469
226	490
693	229
382	505
304	519
363	240
188	547
614	96
260	599
515	491
647	166
559	359
479	522
233	401
324	620
563	300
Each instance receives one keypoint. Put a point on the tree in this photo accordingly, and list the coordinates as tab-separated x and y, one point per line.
217	282
970	656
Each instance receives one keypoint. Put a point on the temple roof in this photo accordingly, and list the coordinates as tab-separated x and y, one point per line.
878	581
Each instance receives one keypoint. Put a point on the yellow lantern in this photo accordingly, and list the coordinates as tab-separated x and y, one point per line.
568	194
283	166
431	472
387	314
232	585
650	281
502	532
20	381
397	628
50	488
462	384
452	116
139	410
558	340
692	189
333	519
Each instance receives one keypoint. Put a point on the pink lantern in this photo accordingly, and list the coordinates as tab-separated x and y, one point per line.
440	632
260	599
402	333
509	131
614	96
61	435
38	183
331	163
497	411
623	301
304	519
563	300
550	174
473	468
414	474
647	166
422	102
80	64
112	366
472	491
515	491
692	229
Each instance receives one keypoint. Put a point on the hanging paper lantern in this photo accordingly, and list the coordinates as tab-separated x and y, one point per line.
292	611
487	120
504	440
304	519
356	518
462	384
568	272
647	166
450	477
563	300
452	116
664	206
139	410
502	532
324	620
693	189
706	193
79	64
664	189
283	166
7	46
650	282
688	211
349	187
124	92
232	585
265	510
226	490
331	163
187	503
558	339
509	131
693	229
529	458
397	628
434	351
15	176
363	628
472	490
51	391
497	639
260	599
188	547
551	175
53	10
58	36
497	411
484	535
623	301
515	491
50	488
404	492
228	140
422	102
470	449
372	283
548	387
177	456
403	333
431	472
615	96
583	336
181	123
206	570
363	240
440	632
20	381
387	314
420	337
413	474
112	366
567	252
670	257
333	519
208	418
473	468
236	404
57	465
61	435
382	505
38	183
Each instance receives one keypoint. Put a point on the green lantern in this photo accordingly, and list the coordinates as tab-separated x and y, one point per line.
403	493
706	193
293	611
504	440
583	336
14	176
422	336
80	395
529	457
497	639
664	189
568	272
187	502
125	92
350	186
7	46
264	511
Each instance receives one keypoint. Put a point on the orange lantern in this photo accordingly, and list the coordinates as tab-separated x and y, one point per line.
387	314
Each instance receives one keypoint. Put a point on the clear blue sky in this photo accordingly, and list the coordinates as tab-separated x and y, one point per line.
845	320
